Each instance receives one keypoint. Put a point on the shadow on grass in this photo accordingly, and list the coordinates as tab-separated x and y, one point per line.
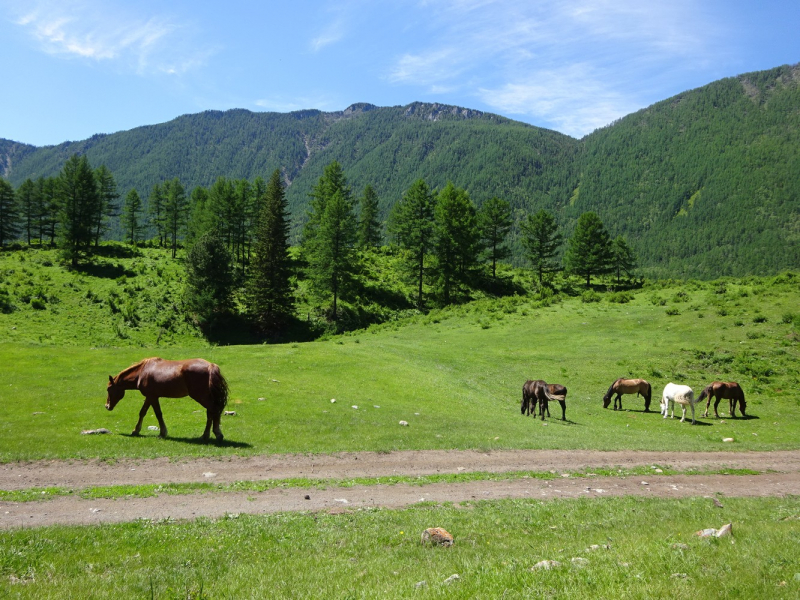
194	441
104	270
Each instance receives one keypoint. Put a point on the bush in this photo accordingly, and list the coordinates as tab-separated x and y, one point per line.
38	304
759	319
672	312
620	297
590	296
6	306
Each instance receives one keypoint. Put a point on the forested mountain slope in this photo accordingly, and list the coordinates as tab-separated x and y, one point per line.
703	184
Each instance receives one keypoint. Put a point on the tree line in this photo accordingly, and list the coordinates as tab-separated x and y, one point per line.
236	234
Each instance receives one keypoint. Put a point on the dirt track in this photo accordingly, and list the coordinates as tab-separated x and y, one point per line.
781	477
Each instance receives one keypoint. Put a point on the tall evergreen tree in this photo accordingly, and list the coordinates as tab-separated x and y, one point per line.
201	219
107	207
222	206
79	200
329	236
541	239
50	208
29	203
457	238
623	258
369	229
589	248
269	299
411	224
494	219
175	212
9	215
209	280
131	217
155	208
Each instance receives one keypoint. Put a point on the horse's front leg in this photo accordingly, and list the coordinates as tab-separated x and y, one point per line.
563	404
162	428
733	408
716	404
142	413
692	407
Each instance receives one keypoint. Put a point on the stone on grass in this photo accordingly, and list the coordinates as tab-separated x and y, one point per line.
727	439
546	565
152	428
230	413
679	546
436	535
404	423
726	529
579	561
452	578
421	584
95	431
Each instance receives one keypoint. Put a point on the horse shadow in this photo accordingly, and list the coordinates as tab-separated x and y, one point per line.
197	441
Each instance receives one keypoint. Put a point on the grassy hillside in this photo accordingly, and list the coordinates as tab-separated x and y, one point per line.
455	374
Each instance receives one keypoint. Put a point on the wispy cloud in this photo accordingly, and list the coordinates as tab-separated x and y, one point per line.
286	104
93	30
573	65
333	33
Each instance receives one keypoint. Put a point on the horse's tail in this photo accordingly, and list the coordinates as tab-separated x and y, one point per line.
218	387
706	392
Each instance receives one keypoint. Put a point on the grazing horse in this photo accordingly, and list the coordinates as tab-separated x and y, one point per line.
542	392
628	386
682	394
723	389
158	378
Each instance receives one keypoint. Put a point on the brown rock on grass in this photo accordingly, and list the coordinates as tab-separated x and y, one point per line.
437	535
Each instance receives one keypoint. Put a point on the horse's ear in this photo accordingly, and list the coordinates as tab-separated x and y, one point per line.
111	379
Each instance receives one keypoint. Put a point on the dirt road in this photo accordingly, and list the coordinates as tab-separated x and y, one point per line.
780	476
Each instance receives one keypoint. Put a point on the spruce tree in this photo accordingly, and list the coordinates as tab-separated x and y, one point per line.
9	215
29	203
369	229
541	240
201	220
457	239
175	212
131	220
269	300
494	220
79	201
107	206
411	224
623	258
589	248
209	280
155	208
50	208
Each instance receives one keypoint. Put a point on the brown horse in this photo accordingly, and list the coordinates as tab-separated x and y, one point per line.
158	378
723	389
542	392
628	386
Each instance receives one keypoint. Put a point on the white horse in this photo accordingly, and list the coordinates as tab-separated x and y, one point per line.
682	394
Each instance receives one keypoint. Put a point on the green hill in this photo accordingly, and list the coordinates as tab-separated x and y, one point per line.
702	184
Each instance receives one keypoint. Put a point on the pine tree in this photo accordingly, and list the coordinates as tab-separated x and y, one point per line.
201	220
624	259
107	206
457	238
29	203
175	212
131	220
270	302
411	225
589	248
369	229
79	201
209	280
541	240
50	208
494	219
155	208
9	215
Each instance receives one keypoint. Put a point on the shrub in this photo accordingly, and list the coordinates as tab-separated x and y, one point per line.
38	304
759	319
672	312
590	296
6	306
620	297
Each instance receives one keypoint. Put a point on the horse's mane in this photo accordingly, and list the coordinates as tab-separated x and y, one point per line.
610	389
134	367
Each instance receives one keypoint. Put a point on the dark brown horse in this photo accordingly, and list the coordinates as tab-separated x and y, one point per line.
723	389
628	386
542	392
158	378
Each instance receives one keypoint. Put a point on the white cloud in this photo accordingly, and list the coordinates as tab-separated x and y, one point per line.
95	31
332	34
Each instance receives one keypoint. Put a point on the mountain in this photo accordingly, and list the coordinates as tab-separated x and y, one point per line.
701	185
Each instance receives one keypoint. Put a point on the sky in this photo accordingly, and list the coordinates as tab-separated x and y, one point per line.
74	68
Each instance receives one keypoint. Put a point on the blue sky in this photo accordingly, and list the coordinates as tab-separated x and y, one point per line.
73	68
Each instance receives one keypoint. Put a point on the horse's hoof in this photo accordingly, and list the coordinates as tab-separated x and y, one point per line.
135	433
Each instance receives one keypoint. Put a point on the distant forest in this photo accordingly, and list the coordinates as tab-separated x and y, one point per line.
700	185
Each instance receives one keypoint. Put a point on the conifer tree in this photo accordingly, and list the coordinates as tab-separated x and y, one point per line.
270	302
9	215
494	220
623	258
411	225
201	220
541	240
79	202
131	218
589	248
329	236
107	206
209	280
50	208
175	212
155	208
29	203
457	238
369	229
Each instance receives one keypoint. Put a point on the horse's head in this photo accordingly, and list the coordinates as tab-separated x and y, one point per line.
115	393
742	406
607	397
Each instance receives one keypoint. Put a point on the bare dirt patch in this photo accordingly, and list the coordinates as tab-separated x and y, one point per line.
781	476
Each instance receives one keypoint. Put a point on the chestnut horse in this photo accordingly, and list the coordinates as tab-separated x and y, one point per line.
628	386
158	378
723	389
542	392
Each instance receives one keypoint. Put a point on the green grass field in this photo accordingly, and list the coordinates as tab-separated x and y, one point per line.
652	553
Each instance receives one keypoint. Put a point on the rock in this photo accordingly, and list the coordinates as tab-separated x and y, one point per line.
727	439
452	578
333	400
721	532
594	547
436	535
726	529
420	584
95	431
404	423
307	497
546	565
679	576
209	475
579	561
354	407
680	546
717	503
261	399
152	428
230	413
